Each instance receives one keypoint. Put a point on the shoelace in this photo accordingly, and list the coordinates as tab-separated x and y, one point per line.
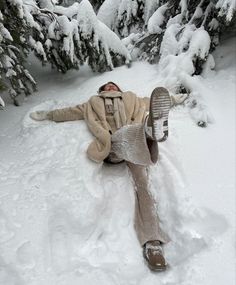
156	249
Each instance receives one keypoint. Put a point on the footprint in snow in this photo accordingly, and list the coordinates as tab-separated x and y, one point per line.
6	232
8	274
59	242
24	255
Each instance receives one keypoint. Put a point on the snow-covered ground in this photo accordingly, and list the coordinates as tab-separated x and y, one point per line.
66	221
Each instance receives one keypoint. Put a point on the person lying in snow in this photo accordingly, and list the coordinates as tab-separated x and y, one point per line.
128	128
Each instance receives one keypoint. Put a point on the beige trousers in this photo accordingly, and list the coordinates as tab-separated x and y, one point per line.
131	145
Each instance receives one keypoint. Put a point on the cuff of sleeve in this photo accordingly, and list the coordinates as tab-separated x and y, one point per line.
49	116
173	102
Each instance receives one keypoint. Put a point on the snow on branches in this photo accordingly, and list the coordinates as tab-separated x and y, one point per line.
179	34
13	50
66	37
144	23
226	8
70	35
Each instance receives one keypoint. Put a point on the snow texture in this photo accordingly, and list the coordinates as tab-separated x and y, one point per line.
177	63
2	104
66	220
123	16
150	7
108	12
227	7
89	23
156	20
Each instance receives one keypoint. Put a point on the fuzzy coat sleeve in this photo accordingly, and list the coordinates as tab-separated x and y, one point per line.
146	100
67	114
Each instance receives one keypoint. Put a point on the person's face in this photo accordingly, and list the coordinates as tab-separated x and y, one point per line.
110	87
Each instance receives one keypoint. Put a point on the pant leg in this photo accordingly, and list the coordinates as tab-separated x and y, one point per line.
146	219
130	143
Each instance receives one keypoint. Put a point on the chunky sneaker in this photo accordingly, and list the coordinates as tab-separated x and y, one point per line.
153	253
157	121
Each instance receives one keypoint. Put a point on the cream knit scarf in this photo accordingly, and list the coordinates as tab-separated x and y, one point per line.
115	105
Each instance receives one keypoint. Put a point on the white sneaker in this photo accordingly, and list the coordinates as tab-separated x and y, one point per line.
157	121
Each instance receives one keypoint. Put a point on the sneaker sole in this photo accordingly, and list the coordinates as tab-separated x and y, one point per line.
160	103
155	268
161	269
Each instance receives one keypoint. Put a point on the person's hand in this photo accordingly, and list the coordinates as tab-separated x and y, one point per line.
179	99
39	115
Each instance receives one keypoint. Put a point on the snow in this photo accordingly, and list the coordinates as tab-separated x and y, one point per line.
5	33
113	41
195	41
38	47
197	14
184	7
214	24
7	62
19	5
200	43
89	23
149	8
70	11
30	19
227	7
45	4
114	13
179	49
10	73
65	220
157	19
208	10
169	43
108	12
129	8
87	18
2	104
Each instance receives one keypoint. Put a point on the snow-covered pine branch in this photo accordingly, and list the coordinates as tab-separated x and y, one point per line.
179	34
13	49
126	16
2	104
145	22
104	48
66	37
76	36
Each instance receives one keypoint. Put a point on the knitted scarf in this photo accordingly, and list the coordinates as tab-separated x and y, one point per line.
114	105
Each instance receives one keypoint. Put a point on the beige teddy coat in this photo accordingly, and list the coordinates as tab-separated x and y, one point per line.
94	114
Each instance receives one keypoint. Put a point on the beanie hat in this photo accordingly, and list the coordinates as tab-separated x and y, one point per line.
103	86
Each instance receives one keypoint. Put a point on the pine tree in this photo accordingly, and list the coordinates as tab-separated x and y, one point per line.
13	50
66	37
126	16
179	34
145	22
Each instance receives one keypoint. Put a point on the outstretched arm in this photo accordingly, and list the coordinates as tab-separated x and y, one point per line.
60	115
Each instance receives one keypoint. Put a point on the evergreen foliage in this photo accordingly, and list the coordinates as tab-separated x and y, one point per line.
64	37
178	34
13	50
68	33
145	22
